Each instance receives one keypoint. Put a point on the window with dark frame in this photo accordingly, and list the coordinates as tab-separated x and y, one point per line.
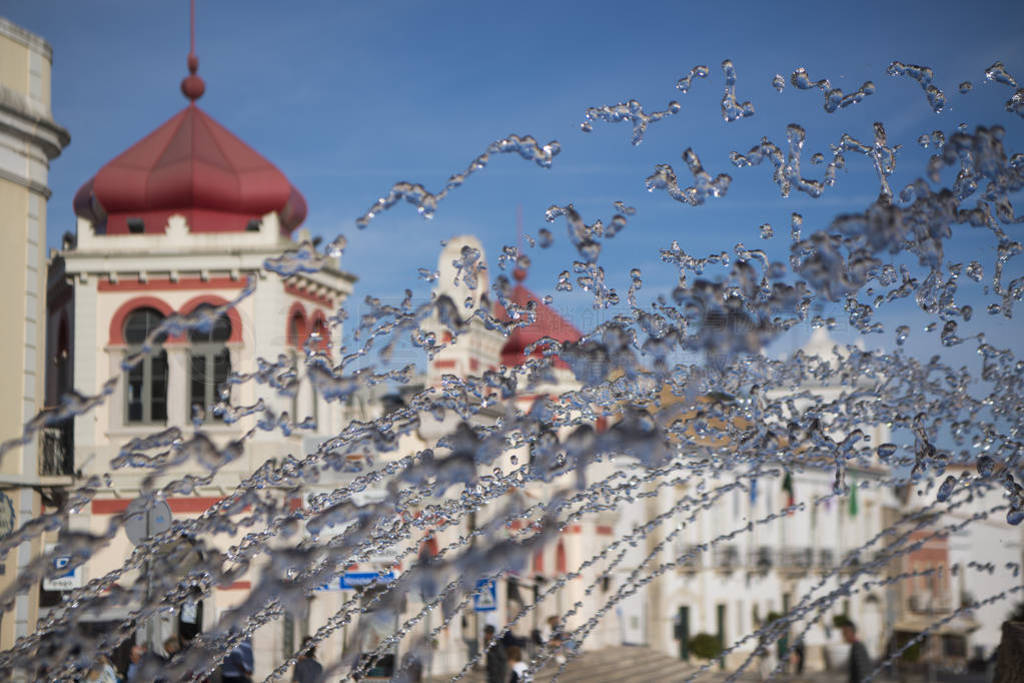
146	385
209	366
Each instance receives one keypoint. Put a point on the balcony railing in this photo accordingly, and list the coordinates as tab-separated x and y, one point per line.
761	559
796	560
927	603
726	558
826	560
56	450
690	559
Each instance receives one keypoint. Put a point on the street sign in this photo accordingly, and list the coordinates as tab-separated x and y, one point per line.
352	580
142	526
486	597
68	580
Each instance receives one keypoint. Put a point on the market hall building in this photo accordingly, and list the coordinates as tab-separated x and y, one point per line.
182	223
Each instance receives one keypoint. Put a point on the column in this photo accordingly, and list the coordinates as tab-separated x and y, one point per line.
179	412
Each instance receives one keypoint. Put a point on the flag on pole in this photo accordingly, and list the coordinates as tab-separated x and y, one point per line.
787	486
853	499
753	491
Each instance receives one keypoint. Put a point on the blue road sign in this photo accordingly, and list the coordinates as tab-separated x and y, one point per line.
486	597
350	580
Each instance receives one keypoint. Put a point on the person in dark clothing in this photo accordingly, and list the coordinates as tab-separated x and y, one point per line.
798	657
307	669
238	666
859	664
510	639
497	660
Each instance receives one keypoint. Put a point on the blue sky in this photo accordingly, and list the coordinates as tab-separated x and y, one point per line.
347	98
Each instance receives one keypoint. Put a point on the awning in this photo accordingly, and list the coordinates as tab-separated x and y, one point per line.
958	626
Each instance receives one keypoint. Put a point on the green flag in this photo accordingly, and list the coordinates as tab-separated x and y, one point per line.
853	499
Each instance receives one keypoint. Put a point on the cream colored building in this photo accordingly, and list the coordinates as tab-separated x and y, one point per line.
29	140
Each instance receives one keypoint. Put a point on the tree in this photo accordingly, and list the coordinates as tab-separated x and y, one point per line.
705	646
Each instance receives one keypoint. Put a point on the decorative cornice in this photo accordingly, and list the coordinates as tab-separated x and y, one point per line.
26	38
32	122
33	185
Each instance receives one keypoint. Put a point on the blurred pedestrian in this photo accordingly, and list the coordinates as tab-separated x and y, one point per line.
134	662
555	638
497	660
102	672
859	664
238	666
307	669
518	666
172	646
799	652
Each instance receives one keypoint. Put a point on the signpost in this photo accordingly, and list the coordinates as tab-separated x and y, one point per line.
144	525
66	581
140	527
486	597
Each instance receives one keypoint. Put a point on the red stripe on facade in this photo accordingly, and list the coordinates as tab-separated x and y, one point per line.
198	504
604	530
165	284
444	364
237	586
113	506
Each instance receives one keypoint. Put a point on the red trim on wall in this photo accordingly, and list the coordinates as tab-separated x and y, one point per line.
561	564
113	506
109	506
444	364
214	300
162	284
572	529
237	586
604	530
117	321
197	504
308	296
538	561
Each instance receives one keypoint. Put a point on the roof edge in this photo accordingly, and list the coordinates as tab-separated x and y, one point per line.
9	29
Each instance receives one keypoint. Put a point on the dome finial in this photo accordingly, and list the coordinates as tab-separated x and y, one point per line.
519	273
192	86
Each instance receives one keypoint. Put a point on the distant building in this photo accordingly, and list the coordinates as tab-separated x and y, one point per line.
182	223
29	140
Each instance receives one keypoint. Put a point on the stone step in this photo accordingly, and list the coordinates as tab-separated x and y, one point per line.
607	665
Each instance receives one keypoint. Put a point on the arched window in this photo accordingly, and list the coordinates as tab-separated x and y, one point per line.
561	565
209	364
63	359
297	329
320	329
146	388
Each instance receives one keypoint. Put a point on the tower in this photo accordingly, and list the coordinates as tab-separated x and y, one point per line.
29	140
189	221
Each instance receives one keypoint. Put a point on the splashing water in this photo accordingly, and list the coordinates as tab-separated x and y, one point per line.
661	428
732	108
923	75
